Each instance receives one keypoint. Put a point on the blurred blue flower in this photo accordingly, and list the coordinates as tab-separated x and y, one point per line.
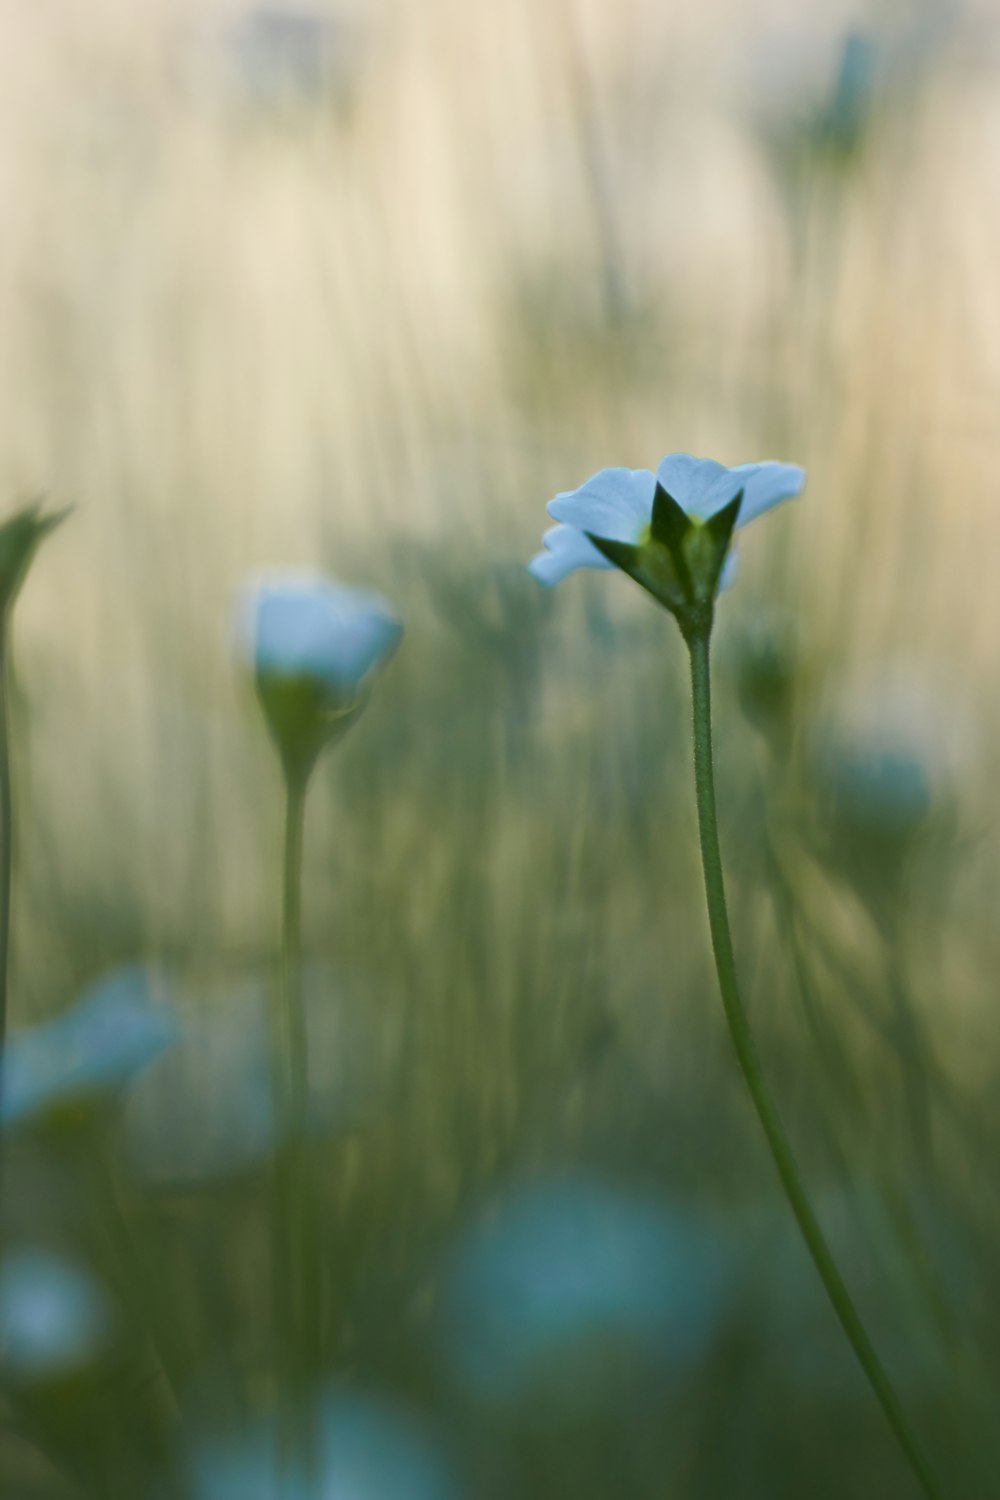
114	1030
616	505
304	625
302	55
885	765
369	1449
54	1318
882	791
314	647
573	1288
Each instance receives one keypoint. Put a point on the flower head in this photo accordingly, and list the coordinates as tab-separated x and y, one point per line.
571	1289
54	1318
117	1027
885	763
314	647
278	58
670	531
367	1447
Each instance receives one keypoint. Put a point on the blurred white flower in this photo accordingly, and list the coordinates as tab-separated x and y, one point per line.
886	759
369	1448
282	53
573	1290
304	625
275	58
114	1030
54	1318
314	647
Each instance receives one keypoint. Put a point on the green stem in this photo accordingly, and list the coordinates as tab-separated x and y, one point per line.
6	852
746	1053
293	1014
294	1257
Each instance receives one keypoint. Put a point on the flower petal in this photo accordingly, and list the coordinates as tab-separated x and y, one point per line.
54	1318
537	1289
729	570
699	485
614	503
305	624
702	487
567	550
117	1027
764	486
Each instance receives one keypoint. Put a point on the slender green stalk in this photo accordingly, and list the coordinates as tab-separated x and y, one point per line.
746	1053
293	1014
294	1253
6	846
19	538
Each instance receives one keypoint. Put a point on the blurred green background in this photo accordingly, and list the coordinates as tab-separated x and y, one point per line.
360	287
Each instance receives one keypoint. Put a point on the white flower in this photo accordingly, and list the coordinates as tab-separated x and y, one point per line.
314	647
570	1282
617	506
367	1448
304	625
117	1027
54	1318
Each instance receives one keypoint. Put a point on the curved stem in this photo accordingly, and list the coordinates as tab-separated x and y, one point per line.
749	1062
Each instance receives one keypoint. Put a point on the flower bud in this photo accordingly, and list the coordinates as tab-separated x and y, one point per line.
314	647
54	1318
19	537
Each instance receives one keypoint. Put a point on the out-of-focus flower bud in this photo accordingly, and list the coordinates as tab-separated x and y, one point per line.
19	539
367	1448
574	1293
313	647
54	1318
111	1032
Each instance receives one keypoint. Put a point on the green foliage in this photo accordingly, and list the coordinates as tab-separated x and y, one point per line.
20	537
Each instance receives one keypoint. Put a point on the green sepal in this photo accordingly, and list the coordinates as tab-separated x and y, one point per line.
669	522
19	538
723	523
624	555
706	549
680	560
651	565
302	720
670	525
